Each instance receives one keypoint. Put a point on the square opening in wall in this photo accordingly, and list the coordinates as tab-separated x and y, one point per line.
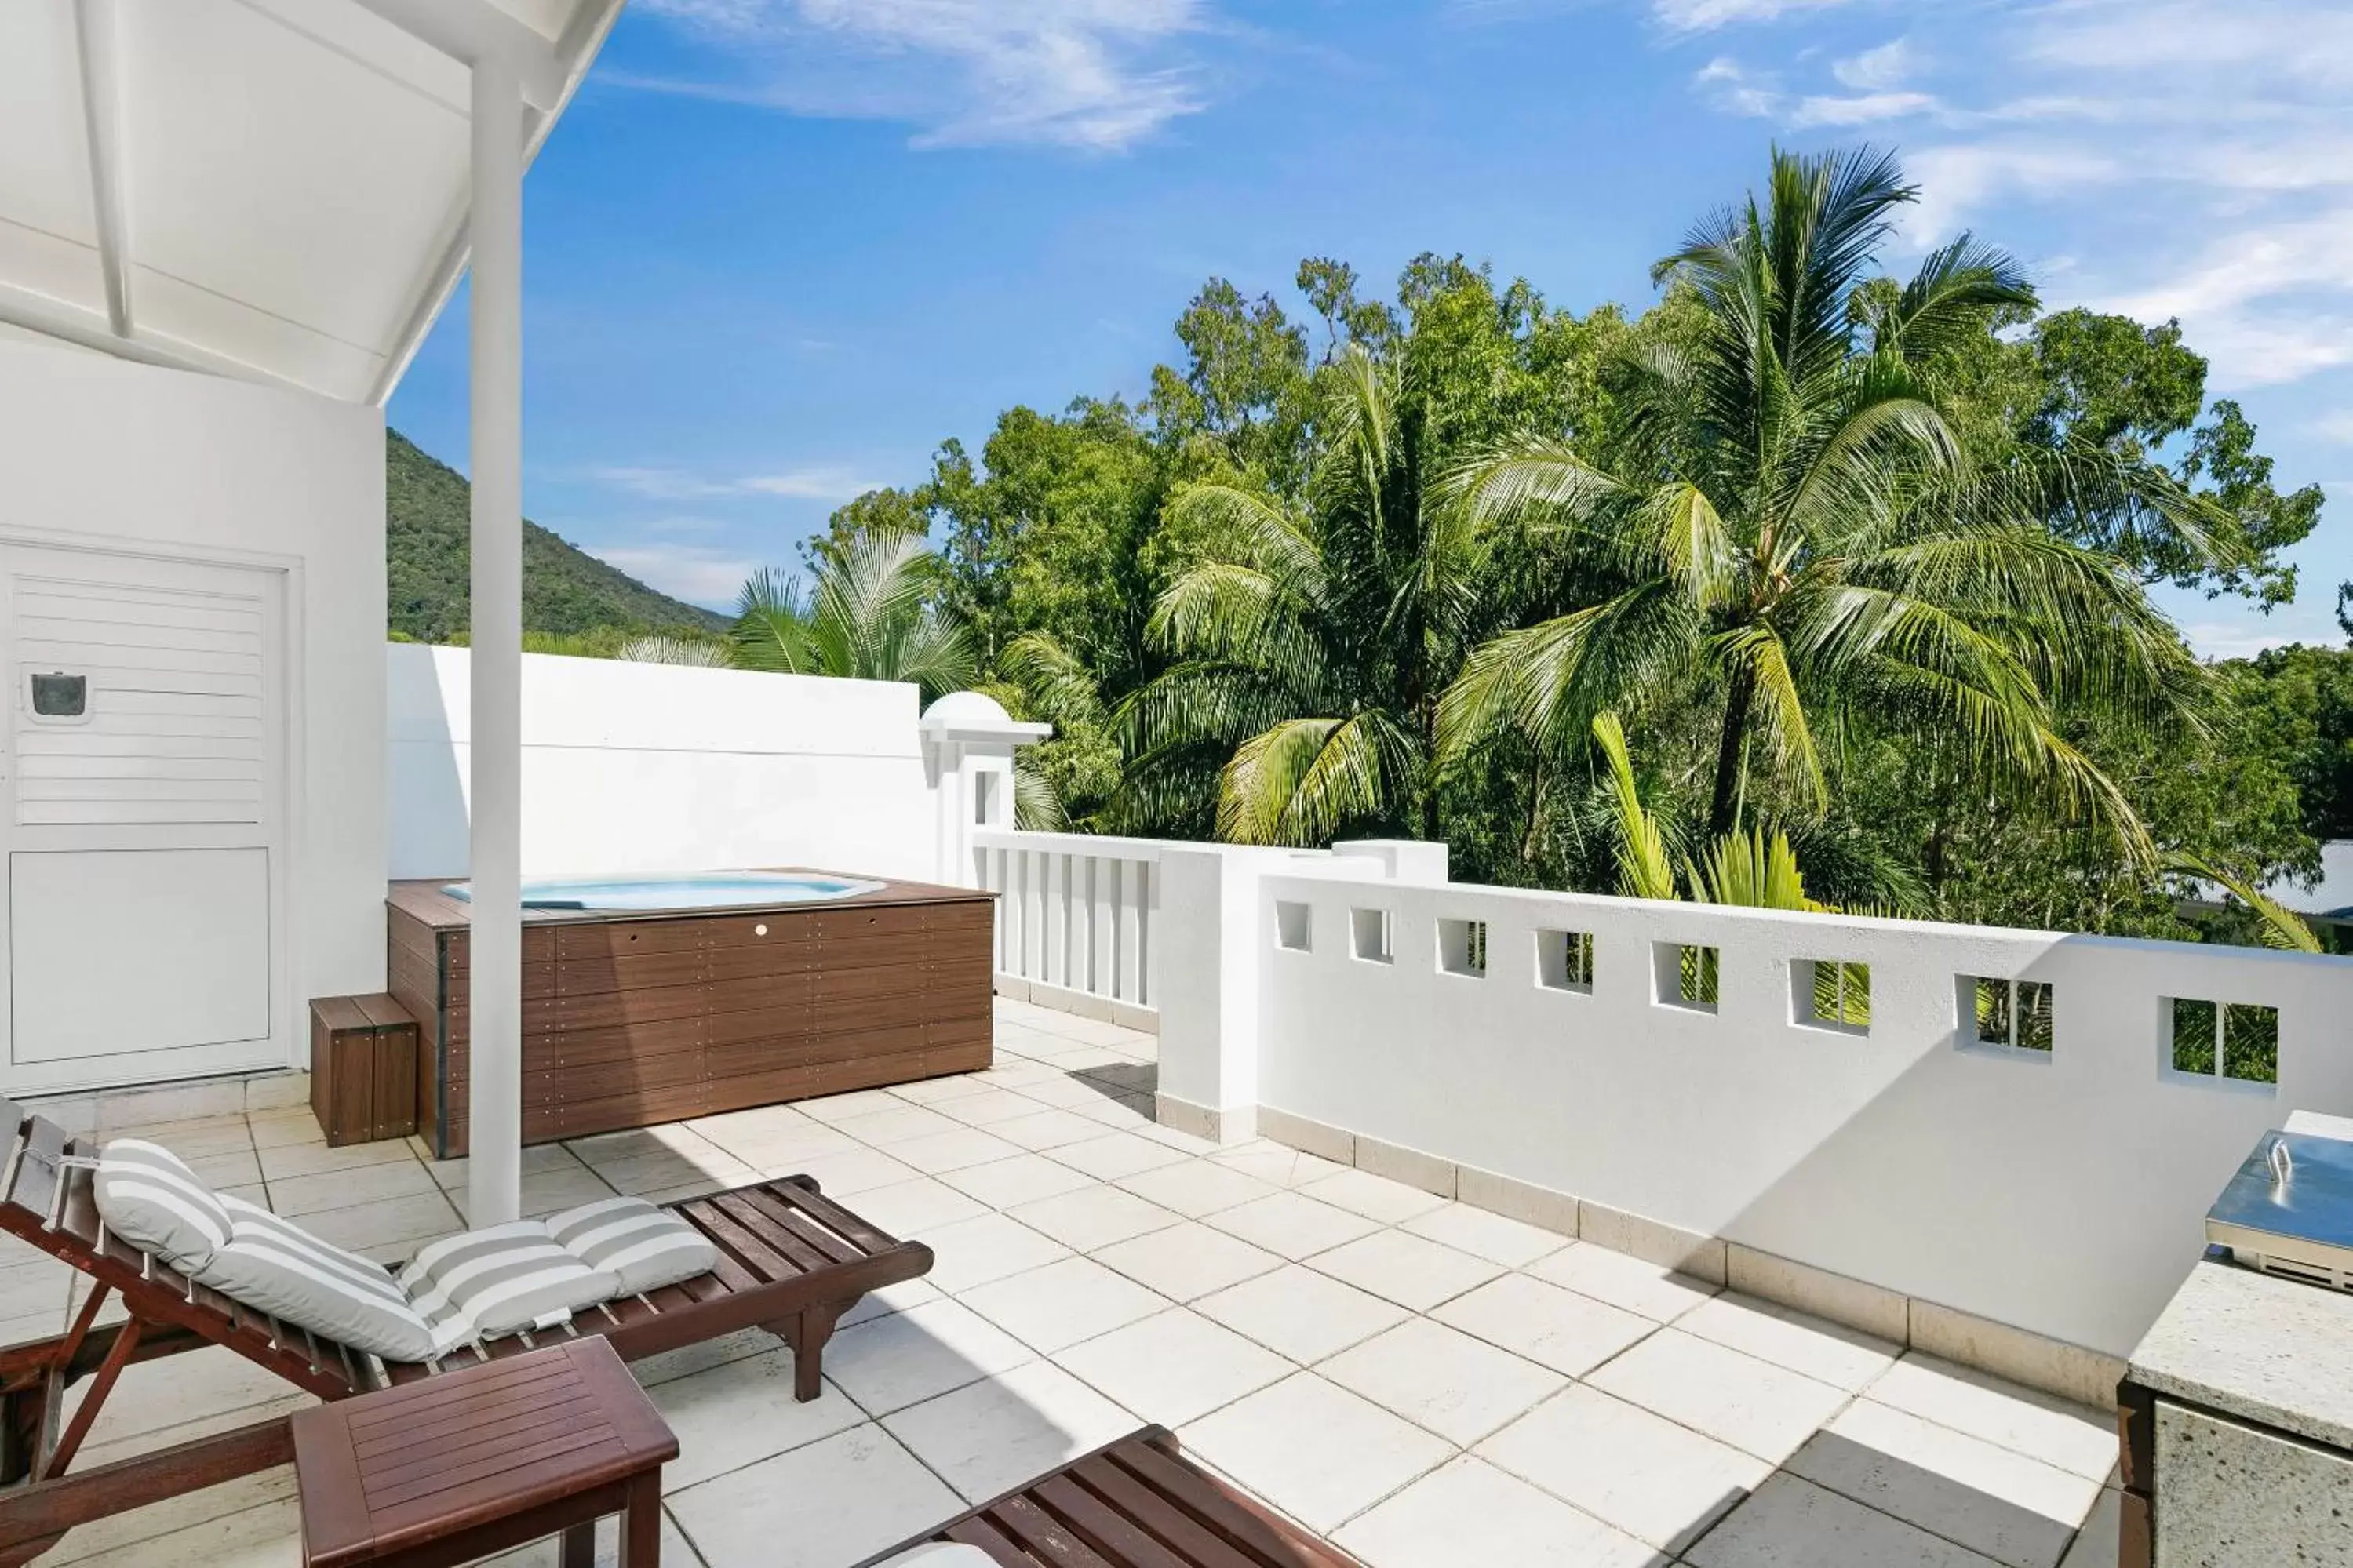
1292	925
1831	994
2009	1015
1463	948
1368	935
2196	1028
1564	960
2237	1041
1687	975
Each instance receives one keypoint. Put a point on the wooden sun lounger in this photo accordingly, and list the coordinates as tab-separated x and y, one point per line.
1135	1503
791	1261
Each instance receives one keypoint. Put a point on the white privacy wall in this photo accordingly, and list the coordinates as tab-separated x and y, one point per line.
646	767
2061	1193
97	451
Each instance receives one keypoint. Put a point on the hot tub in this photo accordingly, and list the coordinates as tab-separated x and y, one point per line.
648	1000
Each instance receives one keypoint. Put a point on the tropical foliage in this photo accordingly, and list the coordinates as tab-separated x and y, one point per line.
1308	643
1789	522
869	614
1810	585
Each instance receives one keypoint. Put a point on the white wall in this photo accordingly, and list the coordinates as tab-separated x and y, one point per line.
99	451
647	767
2061	1193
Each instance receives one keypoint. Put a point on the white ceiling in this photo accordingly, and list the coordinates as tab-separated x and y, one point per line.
289	176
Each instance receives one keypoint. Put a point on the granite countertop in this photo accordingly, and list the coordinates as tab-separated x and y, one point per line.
2270	1349
2253	1346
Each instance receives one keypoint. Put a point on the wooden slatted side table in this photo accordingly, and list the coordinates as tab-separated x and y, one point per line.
483	1459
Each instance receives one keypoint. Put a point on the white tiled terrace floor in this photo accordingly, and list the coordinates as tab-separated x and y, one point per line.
1429	1385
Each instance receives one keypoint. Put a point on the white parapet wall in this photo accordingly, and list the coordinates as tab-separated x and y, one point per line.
2060	1192
648	767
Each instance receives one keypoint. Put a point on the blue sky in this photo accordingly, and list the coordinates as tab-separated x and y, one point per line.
778	249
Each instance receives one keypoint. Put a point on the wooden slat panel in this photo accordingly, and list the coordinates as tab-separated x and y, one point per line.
674	1072
655	1036
843	922
896	949
783	1023
552	1120
588	976
624	939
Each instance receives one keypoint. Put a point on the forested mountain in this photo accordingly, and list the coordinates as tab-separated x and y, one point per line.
565	591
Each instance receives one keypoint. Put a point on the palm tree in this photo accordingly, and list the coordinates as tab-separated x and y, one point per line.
1309	646
872	614
1788	518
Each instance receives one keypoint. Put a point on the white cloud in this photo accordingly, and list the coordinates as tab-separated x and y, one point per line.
1959	178
1094	74
2312	43
1864	109
823	483
1730	87
661	484
1877	70
814	484
2253	295
1700	16
700	576
2196	158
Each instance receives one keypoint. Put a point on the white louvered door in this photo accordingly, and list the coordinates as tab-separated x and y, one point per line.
143	772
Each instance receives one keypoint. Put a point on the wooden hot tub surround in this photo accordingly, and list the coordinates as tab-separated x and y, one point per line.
633	1019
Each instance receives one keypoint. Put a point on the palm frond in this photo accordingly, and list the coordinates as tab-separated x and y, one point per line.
1037	803
701	653
1301	781
1754	870
1533	479
2281	928
1644	870
1549	680
1956	288
771	630
1780	706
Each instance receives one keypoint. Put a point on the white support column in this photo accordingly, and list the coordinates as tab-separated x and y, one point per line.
1206	928
493	1185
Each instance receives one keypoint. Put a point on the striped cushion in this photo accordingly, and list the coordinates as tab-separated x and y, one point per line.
644	1247
277	1267
504	1280
150	1198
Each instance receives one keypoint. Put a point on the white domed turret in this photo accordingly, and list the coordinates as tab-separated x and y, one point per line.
965	711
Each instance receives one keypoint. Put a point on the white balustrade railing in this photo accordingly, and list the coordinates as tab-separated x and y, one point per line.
1074	917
